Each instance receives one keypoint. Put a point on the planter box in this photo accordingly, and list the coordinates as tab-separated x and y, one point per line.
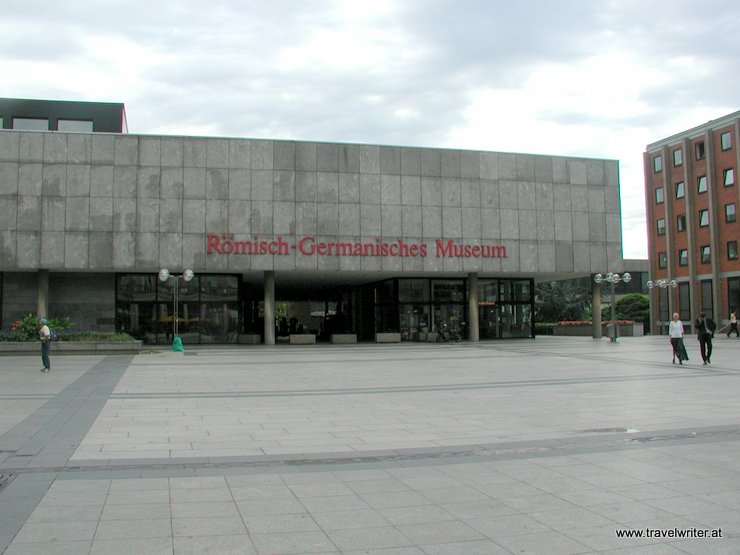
625	330
303	339
72	347
249	339
343	338
387	337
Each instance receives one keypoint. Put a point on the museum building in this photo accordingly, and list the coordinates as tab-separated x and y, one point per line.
285	237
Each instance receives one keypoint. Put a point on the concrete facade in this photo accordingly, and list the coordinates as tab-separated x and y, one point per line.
108	203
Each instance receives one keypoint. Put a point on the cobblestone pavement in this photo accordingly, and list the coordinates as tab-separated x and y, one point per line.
552	445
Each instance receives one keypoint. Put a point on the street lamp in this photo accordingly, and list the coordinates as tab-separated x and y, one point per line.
187	275
662	284
613	279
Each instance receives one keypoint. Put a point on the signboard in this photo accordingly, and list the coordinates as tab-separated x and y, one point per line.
309	245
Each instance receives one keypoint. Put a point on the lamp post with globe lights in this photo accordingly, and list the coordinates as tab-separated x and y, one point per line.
164	275
613	278
661	284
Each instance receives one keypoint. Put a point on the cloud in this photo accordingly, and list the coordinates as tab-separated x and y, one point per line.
595	79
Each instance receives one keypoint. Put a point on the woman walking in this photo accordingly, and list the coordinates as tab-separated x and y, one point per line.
675	330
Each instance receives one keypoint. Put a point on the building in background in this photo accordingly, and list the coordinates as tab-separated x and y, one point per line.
62	115
692	200
366	239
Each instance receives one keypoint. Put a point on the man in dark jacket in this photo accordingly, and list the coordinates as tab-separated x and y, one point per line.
704	332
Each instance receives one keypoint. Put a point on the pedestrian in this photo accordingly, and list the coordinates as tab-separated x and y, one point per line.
45	336
704	332
675	331
733	324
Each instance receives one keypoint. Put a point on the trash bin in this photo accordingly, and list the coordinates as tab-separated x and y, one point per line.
177	344
610	331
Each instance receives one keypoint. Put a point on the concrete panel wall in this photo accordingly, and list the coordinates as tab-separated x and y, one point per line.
104	203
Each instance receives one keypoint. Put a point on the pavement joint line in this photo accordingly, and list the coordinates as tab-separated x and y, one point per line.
545	448
404	389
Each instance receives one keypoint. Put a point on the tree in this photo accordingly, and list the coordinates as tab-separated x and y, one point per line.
633	306
562	300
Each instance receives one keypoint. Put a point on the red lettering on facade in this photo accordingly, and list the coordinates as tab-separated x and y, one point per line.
308	245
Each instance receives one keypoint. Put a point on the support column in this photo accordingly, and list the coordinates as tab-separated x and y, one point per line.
269	285
473	322
596	309
42	294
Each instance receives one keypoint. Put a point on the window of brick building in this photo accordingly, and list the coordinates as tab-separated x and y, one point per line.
681	222
730	215
732	250
677	157
662	260
706	256
728	177
700	152
726	141
683	257
701	184
660	226
680	189
658	164
703	218
659	195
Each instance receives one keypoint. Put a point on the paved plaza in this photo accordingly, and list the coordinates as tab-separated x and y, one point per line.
552	445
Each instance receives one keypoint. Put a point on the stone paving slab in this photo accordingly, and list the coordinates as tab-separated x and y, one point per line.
533	446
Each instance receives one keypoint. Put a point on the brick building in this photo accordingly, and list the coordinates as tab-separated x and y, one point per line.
692	201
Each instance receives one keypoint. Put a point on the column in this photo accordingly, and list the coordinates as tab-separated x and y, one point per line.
269	285
42	294
596	309
473	324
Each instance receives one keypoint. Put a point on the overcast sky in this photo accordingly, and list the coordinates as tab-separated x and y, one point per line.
565	77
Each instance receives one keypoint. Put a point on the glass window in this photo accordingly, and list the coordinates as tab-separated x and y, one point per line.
658	164
700	153
733	292
681	222
660	224
31	124
219	288
385	292
522	290
413	290
663	304
74	126
677	157
1	122
680	190
659	195
684	302
137	288
488	291
728	177
703	218
707	306
706	256
726	141
662	260
701	184
683	257
452	291
730	215
732	250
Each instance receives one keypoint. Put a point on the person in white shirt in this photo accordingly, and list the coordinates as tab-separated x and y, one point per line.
733	324
675	331
45	336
